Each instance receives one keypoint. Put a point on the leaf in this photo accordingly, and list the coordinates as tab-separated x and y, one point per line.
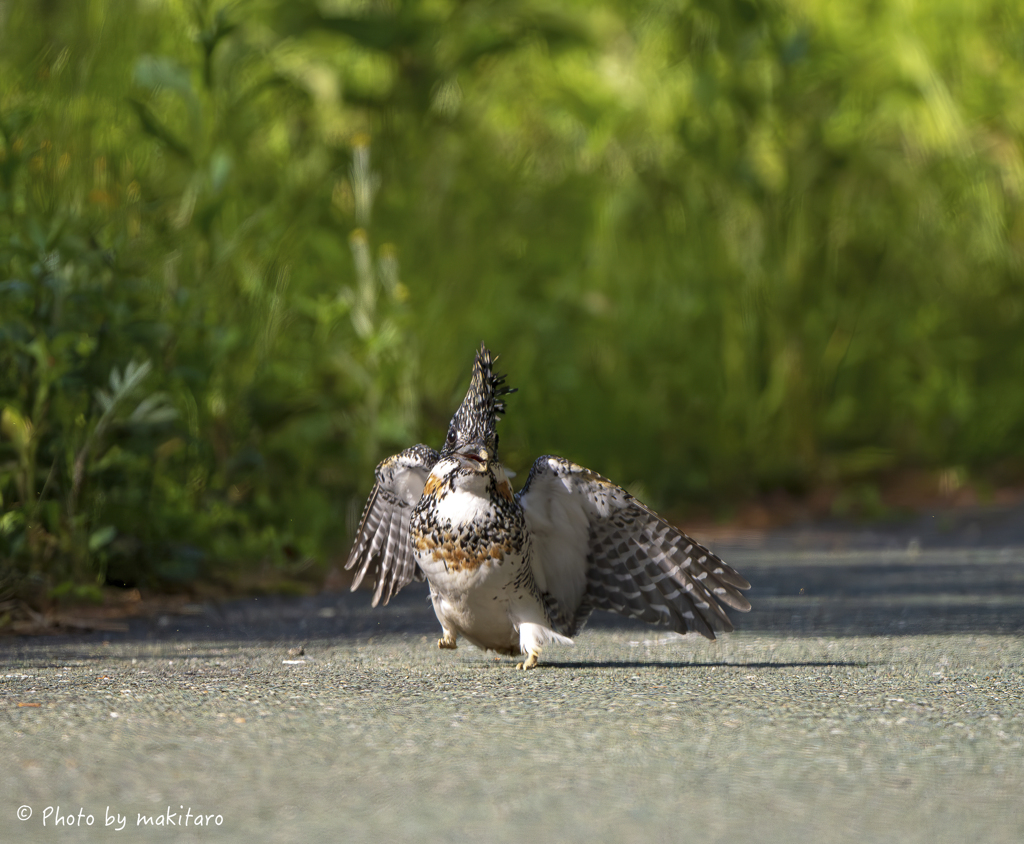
14	121
16	286
156	72
153	410
122	386
101	537
221	165
133	375
16	428
104	399
154	127
380	32
10	521
220	28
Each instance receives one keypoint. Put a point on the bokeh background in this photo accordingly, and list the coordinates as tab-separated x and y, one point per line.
727	250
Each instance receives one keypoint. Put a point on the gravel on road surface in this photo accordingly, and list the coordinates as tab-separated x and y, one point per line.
873	695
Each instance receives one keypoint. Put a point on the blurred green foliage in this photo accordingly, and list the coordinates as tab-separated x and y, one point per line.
722	248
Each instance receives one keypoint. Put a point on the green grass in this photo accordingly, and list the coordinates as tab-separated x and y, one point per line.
722	249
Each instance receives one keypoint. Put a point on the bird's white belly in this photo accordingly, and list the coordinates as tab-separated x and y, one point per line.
479	604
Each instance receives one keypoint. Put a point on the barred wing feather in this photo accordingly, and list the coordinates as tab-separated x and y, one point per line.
594	546
383	540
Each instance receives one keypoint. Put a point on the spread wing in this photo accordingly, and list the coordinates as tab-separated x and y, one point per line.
383	540
597	547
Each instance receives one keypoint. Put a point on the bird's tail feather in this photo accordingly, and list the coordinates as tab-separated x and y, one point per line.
532	637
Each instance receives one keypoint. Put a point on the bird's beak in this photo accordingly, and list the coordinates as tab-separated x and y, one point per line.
475	457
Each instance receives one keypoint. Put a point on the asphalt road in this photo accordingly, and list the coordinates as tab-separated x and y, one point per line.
875	694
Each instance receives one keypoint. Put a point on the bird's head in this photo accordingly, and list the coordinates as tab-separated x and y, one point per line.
472	436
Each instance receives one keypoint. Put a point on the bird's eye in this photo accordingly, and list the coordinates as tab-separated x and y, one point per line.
451	436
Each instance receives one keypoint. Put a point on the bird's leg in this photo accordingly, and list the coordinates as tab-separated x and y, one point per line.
532	638
447	641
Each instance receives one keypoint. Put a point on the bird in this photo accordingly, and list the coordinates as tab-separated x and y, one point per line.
514	572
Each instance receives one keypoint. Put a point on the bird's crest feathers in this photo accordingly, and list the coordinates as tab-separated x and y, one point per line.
476	419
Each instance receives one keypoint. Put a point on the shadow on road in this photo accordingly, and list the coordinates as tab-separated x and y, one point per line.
904	594
864	593
682	663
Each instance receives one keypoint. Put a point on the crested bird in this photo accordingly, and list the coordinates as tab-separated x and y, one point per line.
513	572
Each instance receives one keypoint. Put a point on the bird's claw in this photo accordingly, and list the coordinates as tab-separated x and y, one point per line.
528	663
447	642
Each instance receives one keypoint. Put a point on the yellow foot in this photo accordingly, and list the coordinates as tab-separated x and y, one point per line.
447	642
531	662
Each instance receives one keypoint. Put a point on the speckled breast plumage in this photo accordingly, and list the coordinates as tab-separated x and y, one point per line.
443	543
